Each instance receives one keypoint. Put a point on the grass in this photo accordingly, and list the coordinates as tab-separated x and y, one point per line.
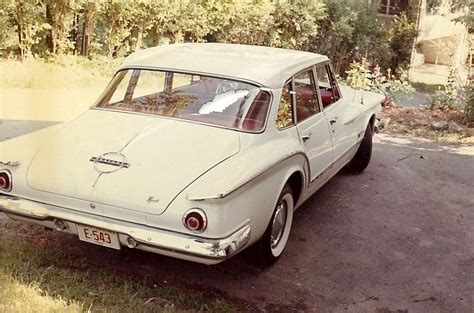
66	73
31	297
37	277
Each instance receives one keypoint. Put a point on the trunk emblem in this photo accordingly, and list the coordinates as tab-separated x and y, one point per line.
110	162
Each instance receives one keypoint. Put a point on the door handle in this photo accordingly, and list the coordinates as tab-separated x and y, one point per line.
334	120
306	137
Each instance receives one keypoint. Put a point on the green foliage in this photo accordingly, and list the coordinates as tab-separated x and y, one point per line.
295	23
116	16
345	30
28	18
453	95
469	108
8	36
59	14
454	5
336	33
402	36
468	18
352	31
359	76
243	22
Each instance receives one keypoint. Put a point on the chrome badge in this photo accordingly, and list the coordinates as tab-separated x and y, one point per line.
110	162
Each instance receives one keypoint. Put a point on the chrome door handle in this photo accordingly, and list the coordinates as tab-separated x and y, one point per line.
306	137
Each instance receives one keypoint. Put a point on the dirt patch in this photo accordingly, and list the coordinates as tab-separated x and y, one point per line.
446	126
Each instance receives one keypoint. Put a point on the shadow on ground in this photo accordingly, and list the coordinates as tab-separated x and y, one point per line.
397	238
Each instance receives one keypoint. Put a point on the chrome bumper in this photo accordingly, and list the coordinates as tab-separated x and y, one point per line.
179	245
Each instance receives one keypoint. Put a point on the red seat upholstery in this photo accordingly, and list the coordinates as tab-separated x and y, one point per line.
326	97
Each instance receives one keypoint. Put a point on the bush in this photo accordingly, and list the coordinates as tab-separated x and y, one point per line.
402	36
451	96
469	109
363	76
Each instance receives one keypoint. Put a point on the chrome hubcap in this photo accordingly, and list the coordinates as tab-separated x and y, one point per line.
278	223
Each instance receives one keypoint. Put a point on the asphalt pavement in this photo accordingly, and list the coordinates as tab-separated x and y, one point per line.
14	128
397	238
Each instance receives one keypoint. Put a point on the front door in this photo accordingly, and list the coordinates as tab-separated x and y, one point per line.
334	107
312	125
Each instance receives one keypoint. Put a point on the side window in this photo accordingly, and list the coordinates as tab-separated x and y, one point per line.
306	97
327	85
285	109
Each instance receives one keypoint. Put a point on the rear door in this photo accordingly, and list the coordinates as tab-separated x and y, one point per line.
312	125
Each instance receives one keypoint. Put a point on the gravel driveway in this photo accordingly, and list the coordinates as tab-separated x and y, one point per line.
398	238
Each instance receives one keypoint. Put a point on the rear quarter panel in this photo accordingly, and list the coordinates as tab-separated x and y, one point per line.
245	188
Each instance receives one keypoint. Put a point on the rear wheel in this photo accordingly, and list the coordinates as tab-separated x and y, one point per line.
362	157
274	240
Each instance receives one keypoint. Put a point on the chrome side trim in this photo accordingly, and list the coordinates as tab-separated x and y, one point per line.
10	163
240	185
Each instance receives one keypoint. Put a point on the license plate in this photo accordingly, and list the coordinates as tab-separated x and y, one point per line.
98	236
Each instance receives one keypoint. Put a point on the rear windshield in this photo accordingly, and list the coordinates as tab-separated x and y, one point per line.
216	101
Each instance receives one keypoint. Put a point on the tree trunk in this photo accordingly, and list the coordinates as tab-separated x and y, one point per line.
74	32
156	36
50	40
19	14
20	40
110	45
88	29
138	43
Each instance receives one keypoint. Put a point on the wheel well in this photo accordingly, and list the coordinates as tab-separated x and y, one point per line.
296	183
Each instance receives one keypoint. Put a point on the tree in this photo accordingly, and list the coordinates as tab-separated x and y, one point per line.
142	20
89	9
28	18
296	22
402	36
59	15
116	16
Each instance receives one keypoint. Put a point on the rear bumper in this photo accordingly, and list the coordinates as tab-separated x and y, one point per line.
156	240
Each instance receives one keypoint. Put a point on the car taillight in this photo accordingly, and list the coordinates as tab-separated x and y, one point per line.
195	220
5	180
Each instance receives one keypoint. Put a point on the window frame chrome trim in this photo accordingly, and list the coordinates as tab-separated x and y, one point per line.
258	85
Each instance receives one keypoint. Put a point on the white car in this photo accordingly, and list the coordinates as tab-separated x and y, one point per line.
195	151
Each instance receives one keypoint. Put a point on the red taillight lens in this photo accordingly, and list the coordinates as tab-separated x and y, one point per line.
5	181
195	220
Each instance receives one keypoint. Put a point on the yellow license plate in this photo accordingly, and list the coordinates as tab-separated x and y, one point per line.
98	236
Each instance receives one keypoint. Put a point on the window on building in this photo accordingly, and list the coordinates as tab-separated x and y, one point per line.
392	7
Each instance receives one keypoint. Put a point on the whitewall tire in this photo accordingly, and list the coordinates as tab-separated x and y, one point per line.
275	238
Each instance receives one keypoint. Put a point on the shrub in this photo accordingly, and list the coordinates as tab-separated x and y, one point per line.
451	96
469	108
363	76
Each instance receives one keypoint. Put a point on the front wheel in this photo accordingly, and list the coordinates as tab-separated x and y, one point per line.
362	157
274	240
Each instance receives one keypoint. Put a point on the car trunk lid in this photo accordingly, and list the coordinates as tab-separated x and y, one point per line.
126	160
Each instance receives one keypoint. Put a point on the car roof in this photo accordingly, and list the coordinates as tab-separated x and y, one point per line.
266	66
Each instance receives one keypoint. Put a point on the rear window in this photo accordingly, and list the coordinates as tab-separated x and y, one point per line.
211	100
